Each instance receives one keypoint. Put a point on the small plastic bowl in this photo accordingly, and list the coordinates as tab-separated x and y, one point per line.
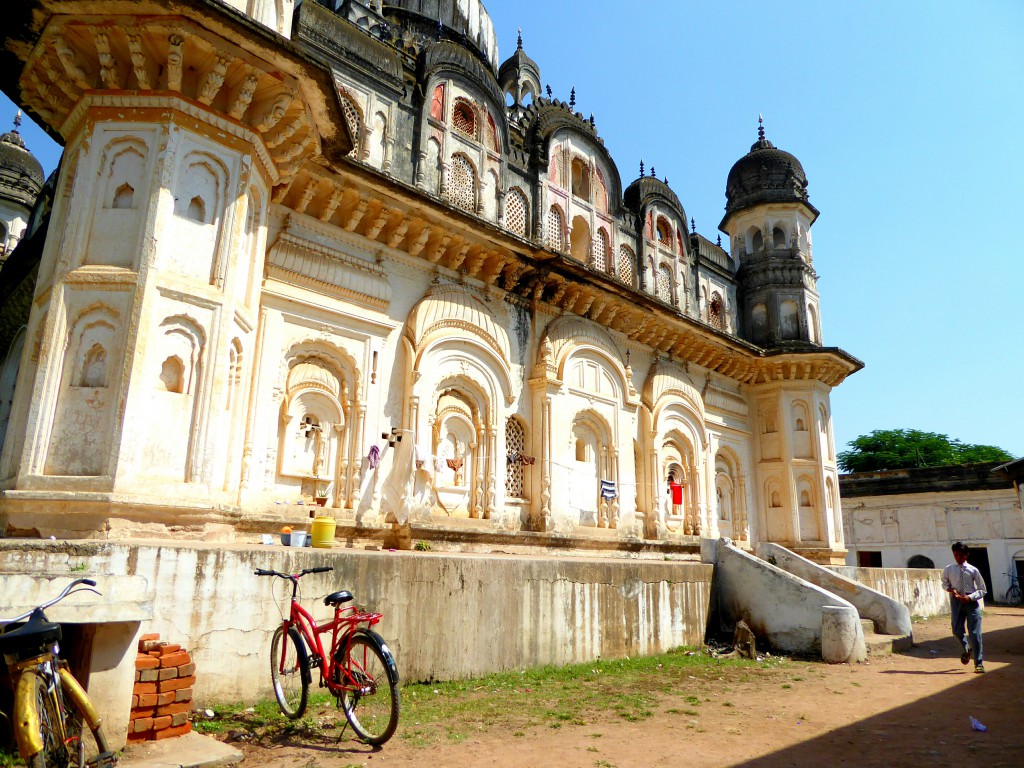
286	539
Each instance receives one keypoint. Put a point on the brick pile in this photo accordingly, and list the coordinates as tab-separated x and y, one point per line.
162	698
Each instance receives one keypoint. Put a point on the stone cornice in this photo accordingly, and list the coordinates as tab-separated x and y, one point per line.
201	51
363	203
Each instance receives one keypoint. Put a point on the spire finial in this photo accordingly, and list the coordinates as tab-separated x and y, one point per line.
17	120
760	127
719	241
693	226
641	168
520	39
547	89
572	98
653	174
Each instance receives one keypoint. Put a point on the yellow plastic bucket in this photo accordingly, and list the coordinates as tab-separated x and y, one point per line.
323	532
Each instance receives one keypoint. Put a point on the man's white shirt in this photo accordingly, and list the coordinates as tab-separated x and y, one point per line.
965	579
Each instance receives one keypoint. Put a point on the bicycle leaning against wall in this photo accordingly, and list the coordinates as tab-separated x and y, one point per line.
1013	594
51	708
358	667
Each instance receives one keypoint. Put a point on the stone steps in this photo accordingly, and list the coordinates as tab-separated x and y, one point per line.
883	645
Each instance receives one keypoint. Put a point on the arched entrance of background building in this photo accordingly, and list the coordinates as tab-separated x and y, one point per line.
681	505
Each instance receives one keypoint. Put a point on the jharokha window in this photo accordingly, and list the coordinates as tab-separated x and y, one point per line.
464	119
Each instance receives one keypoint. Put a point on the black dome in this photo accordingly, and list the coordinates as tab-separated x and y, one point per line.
765	175
21	175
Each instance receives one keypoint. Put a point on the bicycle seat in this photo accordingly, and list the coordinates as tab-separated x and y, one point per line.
337	598
34	635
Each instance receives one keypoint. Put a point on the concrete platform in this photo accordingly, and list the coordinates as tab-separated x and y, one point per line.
193	750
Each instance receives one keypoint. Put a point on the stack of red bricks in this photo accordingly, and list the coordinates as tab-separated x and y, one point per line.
162	698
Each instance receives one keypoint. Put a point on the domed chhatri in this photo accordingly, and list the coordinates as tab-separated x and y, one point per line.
765	174
21	175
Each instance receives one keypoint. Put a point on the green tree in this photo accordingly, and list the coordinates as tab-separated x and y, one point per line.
908	448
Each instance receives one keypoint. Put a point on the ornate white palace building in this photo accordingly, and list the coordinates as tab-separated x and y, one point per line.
278	232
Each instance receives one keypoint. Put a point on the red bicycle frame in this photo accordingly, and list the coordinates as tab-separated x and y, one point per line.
342	627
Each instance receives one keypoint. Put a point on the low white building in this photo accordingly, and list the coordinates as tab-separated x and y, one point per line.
908	518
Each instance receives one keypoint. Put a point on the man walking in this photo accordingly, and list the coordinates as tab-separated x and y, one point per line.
966	589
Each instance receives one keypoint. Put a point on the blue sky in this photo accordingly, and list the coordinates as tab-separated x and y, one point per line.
909	121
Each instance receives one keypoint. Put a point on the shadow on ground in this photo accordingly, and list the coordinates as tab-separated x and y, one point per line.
935	731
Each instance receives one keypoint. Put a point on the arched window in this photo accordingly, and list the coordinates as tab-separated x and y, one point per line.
94	370
601	252
172	374
778	238
664	233
580	239
124	196
556	229
580	179
920	561
197	210
515	444
625	266
716	311
437	103
462	183
464	118
516	213
758	241
663	284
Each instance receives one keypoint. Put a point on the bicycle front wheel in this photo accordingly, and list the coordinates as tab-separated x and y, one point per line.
55	753
1013	595
289	672
373	709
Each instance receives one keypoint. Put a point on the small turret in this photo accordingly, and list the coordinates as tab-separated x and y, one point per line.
768	218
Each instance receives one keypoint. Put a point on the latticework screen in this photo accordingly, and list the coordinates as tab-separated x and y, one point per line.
462	183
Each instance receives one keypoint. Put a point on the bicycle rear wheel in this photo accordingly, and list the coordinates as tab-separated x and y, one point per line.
373	710
289	672
1013	595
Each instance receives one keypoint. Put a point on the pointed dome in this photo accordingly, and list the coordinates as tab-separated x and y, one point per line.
765	175
21	175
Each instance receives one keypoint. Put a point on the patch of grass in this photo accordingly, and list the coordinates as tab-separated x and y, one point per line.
786	686
10	759
422	546
556	697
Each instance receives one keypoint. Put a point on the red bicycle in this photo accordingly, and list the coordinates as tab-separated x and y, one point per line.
358	669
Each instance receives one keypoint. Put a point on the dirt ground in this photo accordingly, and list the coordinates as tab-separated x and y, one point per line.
912	709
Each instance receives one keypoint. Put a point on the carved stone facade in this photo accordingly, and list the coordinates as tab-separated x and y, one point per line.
255	267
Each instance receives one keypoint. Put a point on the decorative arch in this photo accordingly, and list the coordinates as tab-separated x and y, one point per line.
517	212
569	333
593	455
807	501
465	119
448	310
201	186
601	250
667	383
581	186
556	229
627	265
579	246
679	468
462	182
730	496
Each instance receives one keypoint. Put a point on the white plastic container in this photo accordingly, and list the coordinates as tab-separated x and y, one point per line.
299	538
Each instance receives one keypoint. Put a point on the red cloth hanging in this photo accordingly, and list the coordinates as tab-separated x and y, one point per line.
677	493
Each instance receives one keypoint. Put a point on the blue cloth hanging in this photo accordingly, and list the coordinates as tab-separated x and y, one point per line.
608	489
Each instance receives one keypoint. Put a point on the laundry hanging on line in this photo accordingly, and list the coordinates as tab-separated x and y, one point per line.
608	489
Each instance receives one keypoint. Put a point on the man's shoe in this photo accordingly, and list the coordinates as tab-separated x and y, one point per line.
979	669
965	657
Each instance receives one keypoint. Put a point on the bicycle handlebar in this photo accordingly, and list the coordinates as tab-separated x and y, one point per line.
89	584
299	575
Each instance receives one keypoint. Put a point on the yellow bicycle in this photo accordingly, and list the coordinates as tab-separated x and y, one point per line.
51	708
